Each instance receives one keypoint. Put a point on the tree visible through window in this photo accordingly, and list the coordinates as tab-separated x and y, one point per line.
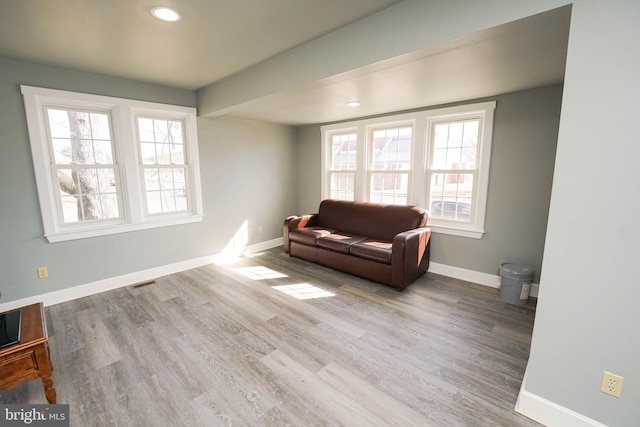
163	162
343	166
107	165
390	165
83	164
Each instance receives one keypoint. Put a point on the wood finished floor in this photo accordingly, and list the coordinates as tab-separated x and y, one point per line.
220	346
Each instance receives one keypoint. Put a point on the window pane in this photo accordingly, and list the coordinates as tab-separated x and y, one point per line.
58	123
100	126
80	137
168	199
163	152
455	135
468	160
151	179
392	149
453	158
102	152
161	141
441	135
61	151
343	152
174	130
455	145
166	178
148	153
104	181
177	154
389	188
145	130
154	205
450	196
69	209
109	205
471	133
166	190
181	203
342	186
88	194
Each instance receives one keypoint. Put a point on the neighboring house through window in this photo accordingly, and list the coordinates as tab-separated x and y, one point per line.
437	158
108	165
342	163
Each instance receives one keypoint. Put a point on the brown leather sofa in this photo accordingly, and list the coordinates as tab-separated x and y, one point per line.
385	243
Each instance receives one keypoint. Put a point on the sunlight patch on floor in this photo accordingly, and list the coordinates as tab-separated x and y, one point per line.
259	273
303	291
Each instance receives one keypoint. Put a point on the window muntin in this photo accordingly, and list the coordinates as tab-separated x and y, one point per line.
448	170
94	169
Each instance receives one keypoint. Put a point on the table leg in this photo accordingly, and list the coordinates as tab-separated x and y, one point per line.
49	390
43	355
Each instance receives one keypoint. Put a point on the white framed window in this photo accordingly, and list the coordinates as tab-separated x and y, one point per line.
342	160
438	159
107	165
390	164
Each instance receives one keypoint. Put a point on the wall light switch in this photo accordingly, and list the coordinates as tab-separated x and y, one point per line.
43	273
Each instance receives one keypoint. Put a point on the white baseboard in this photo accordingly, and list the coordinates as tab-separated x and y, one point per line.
548	413
68	294
478	277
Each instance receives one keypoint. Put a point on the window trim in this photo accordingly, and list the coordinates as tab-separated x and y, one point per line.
123	114
422	146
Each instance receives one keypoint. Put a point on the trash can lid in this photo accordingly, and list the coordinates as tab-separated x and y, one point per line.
513	268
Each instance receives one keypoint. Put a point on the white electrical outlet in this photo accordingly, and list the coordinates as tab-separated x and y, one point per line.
611	384
43	273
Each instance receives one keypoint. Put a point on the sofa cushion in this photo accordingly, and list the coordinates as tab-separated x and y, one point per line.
378	221
339	242
309	235
373	249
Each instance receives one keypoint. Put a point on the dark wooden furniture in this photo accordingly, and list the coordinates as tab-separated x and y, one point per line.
29	359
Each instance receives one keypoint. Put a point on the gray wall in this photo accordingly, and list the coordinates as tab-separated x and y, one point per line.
522	160
245	171
588	318
309	150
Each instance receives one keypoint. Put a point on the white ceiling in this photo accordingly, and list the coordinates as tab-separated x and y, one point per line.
214	39
520	55
217	38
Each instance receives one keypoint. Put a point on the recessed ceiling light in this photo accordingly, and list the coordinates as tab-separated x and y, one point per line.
166	14
354	103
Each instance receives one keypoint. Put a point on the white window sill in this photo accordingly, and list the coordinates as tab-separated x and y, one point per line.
66	235
456	231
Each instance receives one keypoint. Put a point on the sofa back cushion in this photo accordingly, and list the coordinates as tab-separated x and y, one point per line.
375	220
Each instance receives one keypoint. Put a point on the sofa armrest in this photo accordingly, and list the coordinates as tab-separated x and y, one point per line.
295	222
409	256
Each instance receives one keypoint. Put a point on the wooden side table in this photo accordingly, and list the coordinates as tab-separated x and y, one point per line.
29	359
